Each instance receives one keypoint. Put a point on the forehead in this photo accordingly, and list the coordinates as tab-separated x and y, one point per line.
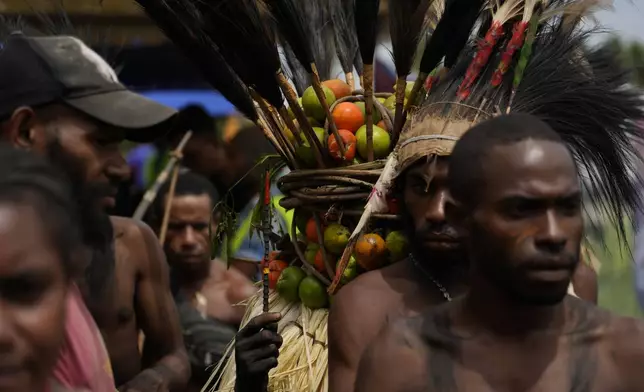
76	125
191	207
536	168
430	167
23	243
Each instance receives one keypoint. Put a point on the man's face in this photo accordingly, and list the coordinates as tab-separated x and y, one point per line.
94	147
424	194
526	230
187	244
33	291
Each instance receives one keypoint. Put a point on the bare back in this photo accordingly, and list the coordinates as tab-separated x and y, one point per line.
363	307
595	351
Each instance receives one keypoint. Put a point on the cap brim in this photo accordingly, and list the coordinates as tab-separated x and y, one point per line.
142	118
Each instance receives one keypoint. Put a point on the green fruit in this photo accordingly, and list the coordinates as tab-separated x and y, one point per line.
312	293
310	253
305	151
289	283
311	103
397	245
336	238
381	100
314	123
390	103
351	272
381	142
375	115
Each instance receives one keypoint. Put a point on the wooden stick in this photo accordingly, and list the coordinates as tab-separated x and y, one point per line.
151	193
399	117
168	205
368	96
310	135
319	91
350	80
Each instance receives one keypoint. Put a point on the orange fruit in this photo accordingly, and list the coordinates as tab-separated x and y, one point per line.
339	87
370	251
311	231
382	125
319	261
347	115
275	268
350	142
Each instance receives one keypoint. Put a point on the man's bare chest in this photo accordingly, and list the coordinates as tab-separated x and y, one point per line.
115	309
561	366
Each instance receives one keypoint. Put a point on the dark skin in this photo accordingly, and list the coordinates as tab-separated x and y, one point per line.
33	289
141	298
524	237
225	164
256	351
188	252
362	307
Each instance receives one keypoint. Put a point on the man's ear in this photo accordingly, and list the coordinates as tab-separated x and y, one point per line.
457	215
20	129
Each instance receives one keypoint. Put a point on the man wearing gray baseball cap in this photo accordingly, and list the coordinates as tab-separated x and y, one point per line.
60	99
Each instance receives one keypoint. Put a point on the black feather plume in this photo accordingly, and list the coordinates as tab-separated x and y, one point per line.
366	17
301	79
406	19
293	29
181	22
239	32
461	13
344	27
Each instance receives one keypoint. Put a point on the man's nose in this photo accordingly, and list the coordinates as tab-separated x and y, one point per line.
435	211
189	237
117	169
553	237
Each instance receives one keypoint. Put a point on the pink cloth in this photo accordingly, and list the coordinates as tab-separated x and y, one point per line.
83	362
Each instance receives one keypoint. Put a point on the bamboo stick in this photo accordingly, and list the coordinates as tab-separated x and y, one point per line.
168	205
151	193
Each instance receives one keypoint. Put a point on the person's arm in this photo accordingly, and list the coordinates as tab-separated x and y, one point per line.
164	354
352	325
393	362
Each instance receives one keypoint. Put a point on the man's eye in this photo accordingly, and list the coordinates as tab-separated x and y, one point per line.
175	226
200	226
570	207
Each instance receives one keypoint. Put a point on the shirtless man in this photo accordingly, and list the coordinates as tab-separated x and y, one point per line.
516	329
206	292
61	100
434	273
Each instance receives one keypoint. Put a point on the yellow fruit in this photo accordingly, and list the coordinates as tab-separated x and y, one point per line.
289	282
312	293
390	103
336	238
408	88
311	103
381	142
397	245
310	253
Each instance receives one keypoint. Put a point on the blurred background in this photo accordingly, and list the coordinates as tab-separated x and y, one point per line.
146	62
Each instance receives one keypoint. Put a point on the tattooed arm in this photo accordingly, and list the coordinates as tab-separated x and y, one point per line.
393	362
163	353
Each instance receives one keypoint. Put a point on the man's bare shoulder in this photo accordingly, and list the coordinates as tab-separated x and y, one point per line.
396	359
139	240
